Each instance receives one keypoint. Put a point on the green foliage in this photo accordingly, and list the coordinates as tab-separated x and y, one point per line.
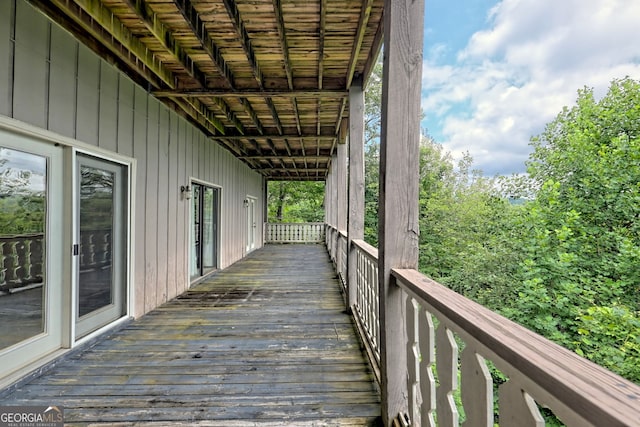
466	230
557	251
22	214
580	279
565	261
22	200
296	201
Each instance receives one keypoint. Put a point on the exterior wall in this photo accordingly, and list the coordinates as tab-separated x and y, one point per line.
50	80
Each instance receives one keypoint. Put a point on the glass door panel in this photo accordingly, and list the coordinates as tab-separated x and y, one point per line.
102	236
196	236
31	250
209	229
251	224
23	213
204	230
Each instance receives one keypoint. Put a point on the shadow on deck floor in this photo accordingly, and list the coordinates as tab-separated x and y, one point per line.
265	342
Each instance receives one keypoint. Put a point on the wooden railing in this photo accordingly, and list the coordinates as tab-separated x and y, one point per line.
312	232
366	310
21	257
337	244
20	261
530	371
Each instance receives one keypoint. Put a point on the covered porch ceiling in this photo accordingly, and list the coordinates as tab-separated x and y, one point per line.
267	79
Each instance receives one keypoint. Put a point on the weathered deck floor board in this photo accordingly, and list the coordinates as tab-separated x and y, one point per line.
265	342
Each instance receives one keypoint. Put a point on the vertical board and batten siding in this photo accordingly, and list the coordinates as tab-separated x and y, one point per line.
50	80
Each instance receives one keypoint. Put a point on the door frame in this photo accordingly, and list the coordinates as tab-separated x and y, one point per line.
129	243
251	229
189	223
63	247
118	245
21	355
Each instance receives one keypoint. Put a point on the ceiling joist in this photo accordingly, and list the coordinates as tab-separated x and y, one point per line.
268	81
215	93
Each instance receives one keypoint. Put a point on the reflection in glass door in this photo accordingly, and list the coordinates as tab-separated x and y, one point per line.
100	252
251	223
31	261
23	202
204	230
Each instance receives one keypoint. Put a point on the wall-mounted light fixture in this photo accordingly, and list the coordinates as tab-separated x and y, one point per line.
186	192
245	202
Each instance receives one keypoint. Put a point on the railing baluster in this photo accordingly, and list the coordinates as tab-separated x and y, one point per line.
14	263
374	306
27	265
413	361
447	367
427	344
476	388
517	408
3	270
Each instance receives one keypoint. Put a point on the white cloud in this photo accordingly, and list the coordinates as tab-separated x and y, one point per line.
516	75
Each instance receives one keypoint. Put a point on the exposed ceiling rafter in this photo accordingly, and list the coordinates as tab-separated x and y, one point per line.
245	73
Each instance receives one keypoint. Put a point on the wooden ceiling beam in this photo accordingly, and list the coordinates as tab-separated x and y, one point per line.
277	7
215	93
292	158
106	27
163	35
297	178
86	30
284	170
374	53
192	17
245	41
273	137
204	119
323	23
166	39
365	14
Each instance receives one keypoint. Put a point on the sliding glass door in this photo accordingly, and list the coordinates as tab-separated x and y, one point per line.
204	229
31	250
100	252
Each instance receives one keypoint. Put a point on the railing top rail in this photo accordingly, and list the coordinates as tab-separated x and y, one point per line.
20	236
560	378
295	223
369	250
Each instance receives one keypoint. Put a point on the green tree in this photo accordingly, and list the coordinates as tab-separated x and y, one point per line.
296	201
580	283
467	231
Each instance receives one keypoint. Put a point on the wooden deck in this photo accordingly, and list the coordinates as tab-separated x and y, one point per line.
265	342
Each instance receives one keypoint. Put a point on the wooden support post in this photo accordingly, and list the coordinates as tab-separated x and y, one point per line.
398	224
334	190
355	227
341	170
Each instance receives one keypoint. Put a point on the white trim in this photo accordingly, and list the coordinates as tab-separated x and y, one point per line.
192	180
70	221
45	135
250	228
15	357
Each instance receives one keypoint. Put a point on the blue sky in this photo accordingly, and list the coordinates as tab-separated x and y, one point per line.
496	71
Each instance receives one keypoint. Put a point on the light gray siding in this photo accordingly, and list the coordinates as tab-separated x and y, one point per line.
50	80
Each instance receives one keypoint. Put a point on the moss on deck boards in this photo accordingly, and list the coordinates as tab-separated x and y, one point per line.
265	342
